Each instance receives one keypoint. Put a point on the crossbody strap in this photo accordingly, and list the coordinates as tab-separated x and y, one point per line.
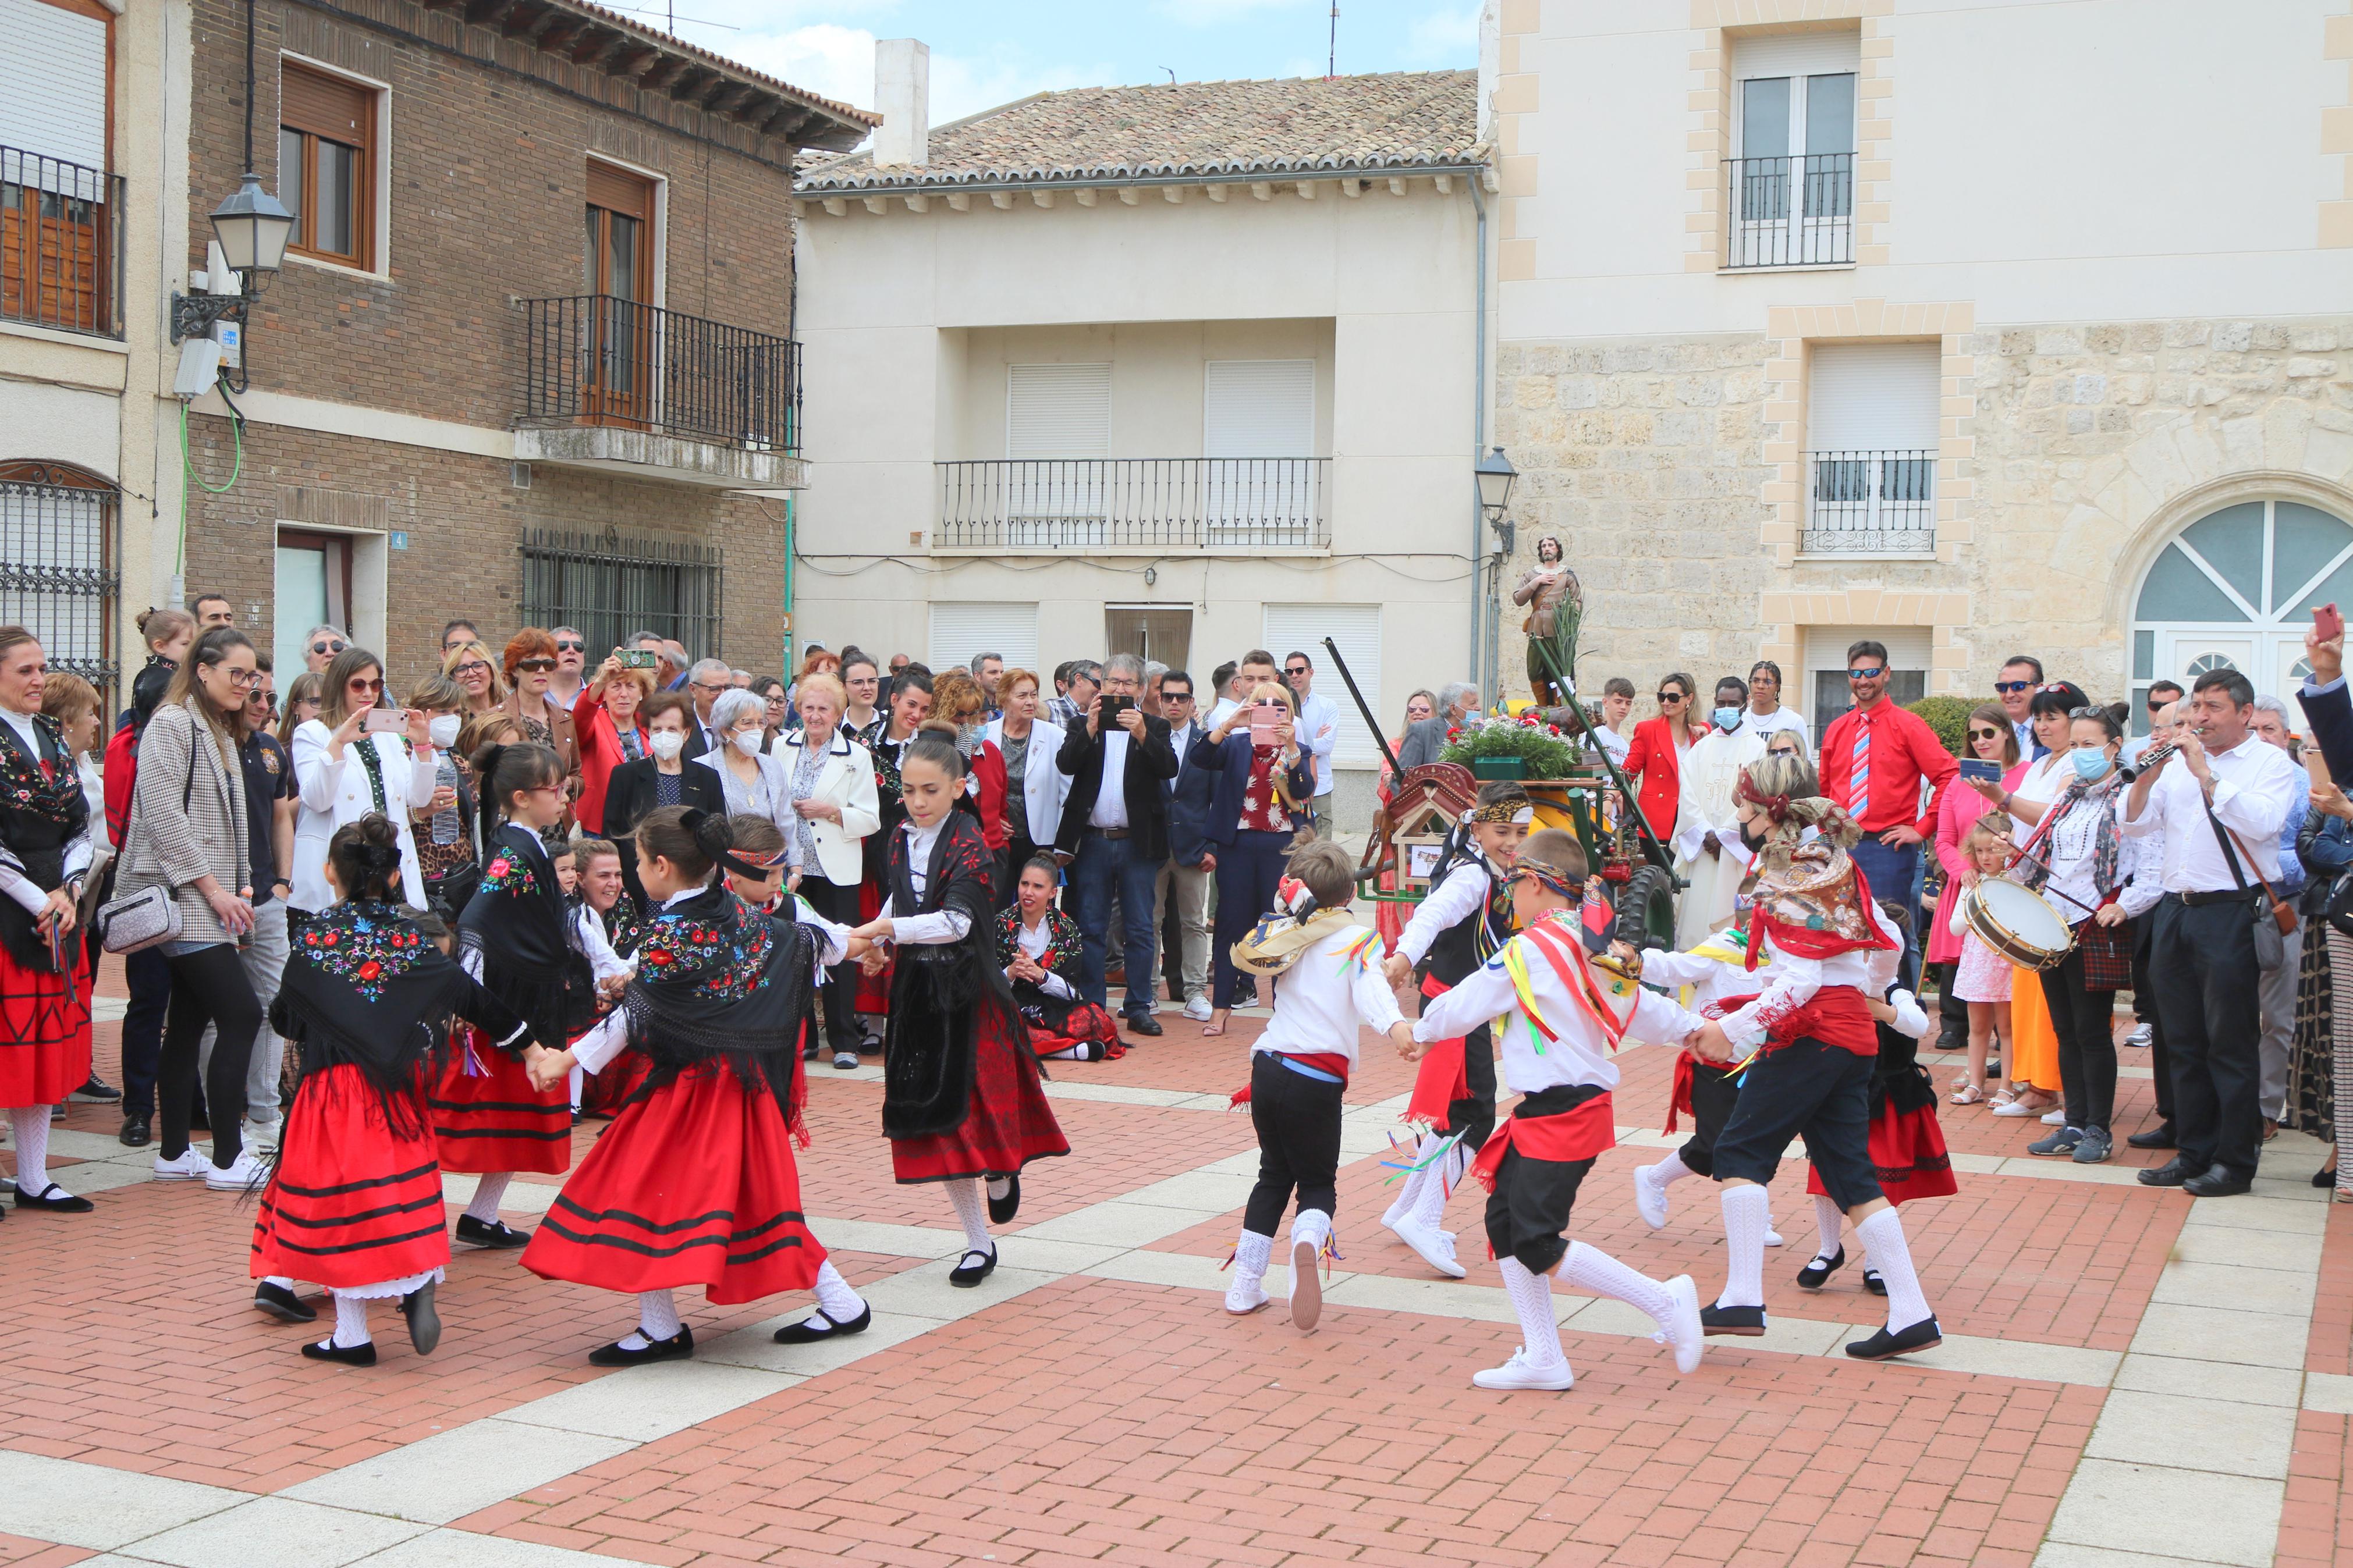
2226	837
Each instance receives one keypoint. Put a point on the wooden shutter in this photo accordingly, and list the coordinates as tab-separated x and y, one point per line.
53	102
959	631
325	106
1873	397
1357	629
616	190
1058	411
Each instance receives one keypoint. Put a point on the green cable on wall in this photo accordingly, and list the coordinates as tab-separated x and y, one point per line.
237	430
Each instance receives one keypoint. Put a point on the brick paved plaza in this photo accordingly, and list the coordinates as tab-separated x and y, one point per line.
2128	1378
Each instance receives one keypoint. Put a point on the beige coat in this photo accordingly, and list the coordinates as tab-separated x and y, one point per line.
170	844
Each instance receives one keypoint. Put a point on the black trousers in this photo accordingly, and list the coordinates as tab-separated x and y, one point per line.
1528	1211
1952	1013
2160	1062
840	904
1017	850
1714	1094
1822	1092
148	974
1298	1122
208	986
2204	967
2085	1024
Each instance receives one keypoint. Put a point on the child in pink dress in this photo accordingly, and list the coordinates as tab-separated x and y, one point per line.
1982	977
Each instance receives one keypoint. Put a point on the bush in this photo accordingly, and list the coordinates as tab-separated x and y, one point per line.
1548	754
1949	717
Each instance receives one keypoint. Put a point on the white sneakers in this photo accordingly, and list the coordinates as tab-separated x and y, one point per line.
1650	1198
1435	1247
1683	1330
1521	1372
190	1166
1246	1295
1198	1009
243	1171
1306	1286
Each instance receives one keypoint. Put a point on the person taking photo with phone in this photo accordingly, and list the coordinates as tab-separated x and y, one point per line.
1264	783
350	760
1115	828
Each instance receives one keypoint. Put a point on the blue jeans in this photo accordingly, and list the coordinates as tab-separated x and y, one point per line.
1891	874
1105	866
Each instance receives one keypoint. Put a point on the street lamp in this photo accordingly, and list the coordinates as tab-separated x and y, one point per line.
1495	477
252	227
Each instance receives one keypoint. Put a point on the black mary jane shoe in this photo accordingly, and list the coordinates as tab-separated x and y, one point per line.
424	1322
350	1356
966	1273
679	1346
1746	1322
137	1131
2327	1178
495	1234
1811	1276
1923	1335
1873	1283
1001	1210
282	1304
55	1199
800	1334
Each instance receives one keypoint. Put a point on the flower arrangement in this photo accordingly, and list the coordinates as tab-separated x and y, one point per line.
1545	750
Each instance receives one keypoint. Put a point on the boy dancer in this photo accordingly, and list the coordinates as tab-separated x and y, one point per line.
1719	984
1561	1016
1300	1066
1463	922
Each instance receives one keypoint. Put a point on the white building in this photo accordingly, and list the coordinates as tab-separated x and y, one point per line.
1182	371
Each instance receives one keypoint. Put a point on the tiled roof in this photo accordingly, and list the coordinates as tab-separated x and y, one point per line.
850	119
1402	120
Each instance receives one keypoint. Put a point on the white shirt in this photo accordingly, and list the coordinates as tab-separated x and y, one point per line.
940	925
1765	725
1319	732
1797	980
1614	743
1580	1055
78	854
1711	979
1460	893
1180	740
2255	784
2024	729
604	963
1033	942
1710	771
1319	1003
1218	715
1111	800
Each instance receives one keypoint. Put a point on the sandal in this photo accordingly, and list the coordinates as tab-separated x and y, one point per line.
2003	1096
1968	1094
1217	1024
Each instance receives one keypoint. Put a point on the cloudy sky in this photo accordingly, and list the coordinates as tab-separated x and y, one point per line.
984	53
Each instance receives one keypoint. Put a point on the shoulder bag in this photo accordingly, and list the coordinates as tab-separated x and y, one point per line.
2273	918
150	917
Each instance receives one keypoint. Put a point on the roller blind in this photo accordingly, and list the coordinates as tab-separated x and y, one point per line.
325	105
959	631
52	86
1058	411
619	192
1796	54
1873	397
1259	408
1357	629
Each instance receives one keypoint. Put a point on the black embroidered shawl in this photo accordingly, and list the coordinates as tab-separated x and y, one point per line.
939	990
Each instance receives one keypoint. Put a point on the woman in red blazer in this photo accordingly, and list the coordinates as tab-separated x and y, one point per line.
1654	762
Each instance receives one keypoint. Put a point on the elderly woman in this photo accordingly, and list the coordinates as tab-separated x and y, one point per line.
752	779
605	718
469	664
1390	917
834	808
1550	592
530	665
957	697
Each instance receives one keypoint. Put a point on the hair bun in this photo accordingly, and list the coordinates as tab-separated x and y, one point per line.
940	727
712	835
485	761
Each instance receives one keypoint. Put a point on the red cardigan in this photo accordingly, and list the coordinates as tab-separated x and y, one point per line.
1655	768
600	753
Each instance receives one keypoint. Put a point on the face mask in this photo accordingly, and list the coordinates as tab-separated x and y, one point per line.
442	730
2089	766
1751	840
1727	718
969	738
747	742
667	743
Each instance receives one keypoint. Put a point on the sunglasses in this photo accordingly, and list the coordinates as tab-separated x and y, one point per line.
2013	688
361	683
1294	670
565	645
1866	672
1672	697
1985	734
534	665
323	646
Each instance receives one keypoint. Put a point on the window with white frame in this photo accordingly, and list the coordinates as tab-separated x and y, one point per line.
1056	450
1826	665
1791	179
961	632
1258	435
1872	416
1355	631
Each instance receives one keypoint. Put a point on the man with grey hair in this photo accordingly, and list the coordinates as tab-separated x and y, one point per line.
986	668
2275	991
1456	700
1070	708
704	682
1153	670
1115	829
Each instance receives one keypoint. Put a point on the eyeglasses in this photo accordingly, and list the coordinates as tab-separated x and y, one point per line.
361	683
534	665
2013	688
707	686
546	789
1167	697
566	645
1294	670
247	678
471	667
1866	671
306	702
326	646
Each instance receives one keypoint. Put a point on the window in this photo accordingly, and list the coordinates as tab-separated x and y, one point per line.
961	631
1259	434
57	565
1057	438
1872	419
326	164
611	585
59	210
1357	630
618	270
1792	174
1907	659
313	581
1149	632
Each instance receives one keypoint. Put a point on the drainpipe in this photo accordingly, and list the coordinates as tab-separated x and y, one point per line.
1478	428
789	630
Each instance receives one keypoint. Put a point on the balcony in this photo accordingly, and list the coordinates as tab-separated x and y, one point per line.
1214	505
60	245
1790	212
621	387
1871	503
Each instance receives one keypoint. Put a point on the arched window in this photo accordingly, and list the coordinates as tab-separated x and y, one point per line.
58	573
2236	590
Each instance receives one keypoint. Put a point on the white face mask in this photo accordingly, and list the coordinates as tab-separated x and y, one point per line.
442	730
667	743
747	742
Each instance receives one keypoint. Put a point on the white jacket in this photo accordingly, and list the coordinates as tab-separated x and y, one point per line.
1044	787
847	780
334	791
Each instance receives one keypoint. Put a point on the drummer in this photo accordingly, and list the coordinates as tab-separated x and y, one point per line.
2083	868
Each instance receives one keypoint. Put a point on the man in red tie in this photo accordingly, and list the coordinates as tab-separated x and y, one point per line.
1873	757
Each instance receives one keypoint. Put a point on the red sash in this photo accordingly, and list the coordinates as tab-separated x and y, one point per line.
1579	1134
1324	1062
1679	1098
1442	1079
1838	1015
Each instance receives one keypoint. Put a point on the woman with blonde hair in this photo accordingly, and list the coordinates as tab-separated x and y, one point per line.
469	664
1256	810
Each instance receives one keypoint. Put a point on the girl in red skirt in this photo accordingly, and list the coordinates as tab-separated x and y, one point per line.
963	1100
694	1182
515	936
354	1201
1039	946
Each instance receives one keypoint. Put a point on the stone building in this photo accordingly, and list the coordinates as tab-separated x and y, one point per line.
1979	330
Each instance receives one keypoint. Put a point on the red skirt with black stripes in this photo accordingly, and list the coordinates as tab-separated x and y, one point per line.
693	1184
488	1117
43	1033
352	1203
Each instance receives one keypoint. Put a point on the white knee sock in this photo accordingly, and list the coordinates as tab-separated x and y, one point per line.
1410	1194
1828	1218
485	1205
1670	1170
965	1194
1883	1233
1591	1269
283	1281
1251	1254
351	1322
1430	1203
1745	1213
833	1293
1530	1297
31	1125
579	1075
657	1320
998	1186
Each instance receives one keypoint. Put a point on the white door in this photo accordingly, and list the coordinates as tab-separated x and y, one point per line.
301	603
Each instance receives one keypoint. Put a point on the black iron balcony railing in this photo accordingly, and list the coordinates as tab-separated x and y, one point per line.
1871	503
60	245
1792	212
1181	503
597	359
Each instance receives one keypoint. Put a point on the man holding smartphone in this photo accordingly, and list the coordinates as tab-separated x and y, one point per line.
1115	828
1319	732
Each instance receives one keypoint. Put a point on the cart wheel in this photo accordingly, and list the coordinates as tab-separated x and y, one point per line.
1646	909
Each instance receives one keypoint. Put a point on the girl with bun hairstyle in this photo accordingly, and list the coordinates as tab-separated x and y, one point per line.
962	1096
354	1201
694	1182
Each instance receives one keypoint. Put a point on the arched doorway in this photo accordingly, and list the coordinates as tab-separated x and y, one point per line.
2236	589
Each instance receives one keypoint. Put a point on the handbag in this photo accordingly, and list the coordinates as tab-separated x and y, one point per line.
2273	918
150	917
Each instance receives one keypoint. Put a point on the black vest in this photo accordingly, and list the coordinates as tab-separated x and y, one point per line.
1477	937
37	830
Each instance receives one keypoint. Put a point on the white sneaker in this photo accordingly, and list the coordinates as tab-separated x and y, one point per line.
1772	1236
1198	1009
1521	1372
190	1166
1650	1198
1245	1295
1395	1213
242	1173
2056	1117
1683	1330
1432	1246
2139	1039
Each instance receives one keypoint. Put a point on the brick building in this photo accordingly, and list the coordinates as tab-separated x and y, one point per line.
529	358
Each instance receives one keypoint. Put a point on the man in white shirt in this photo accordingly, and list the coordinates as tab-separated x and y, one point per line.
1319	732
571	668
2224	782
2015	686
1766	714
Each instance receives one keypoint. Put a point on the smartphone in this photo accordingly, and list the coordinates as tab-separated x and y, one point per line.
2328	622
1264	724
638	658
1978	768
383	721
1107	715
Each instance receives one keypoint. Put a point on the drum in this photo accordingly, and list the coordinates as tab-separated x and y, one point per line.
2017	923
